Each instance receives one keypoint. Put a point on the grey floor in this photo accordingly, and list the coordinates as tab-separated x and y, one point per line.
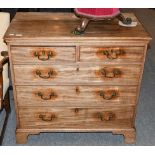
145	121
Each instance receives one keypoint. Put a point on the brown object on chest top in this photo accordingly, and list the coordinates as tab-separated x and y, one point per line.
63	82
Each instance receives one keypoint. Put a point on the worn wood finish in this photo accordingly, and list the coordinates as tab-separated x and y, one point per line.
27	55
47	117
112	54
89	83
110	117
82	74
80	96
72	118
29	16
55	28
129	135
21	137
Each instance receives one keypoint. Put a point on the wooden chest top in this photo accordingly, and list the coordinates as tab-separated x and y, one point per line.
57	26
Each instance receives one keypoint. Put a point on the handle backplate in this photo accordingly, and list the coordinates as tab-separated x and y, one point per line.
114	73
51	95
43	55
108	95
51	74
106	116
47	117
111	53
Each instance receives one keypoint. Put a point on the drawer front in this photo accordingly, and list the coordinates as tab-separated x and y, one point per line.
57	96
76	118
40	55
83	74
112	54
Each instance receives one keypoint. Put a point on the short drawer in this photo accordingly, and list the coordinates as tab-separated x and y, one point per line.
112	54
42	55
73	74
57	96
76	118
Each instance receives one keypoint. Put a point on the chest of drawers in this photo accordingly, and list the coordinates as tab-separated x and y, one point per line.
68	83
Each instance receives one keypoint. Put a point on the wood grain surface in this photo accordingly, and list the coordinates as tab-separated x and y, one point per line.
26	55
69	118
80	96
27	26
112	54
76	74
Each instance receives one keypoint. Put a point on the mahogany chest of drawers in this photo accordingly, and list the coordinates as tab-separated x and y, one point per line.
68	83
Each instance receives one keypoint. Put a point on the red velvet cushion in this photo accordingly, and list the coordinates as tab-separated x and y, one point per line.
97	12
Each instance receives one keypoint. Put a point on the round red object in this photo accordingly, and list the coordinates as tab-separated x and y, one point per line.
97	12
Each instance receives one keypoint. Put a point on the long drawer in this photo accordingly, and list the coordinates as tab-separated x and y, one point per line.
76	118
77	74
58	96
42	55
112	54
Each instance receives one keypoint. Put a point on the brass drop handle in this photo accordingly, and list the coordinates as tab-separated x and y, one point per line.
106	116
43	54
51	73
112	53
112	95
107	74
50	96
46	118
